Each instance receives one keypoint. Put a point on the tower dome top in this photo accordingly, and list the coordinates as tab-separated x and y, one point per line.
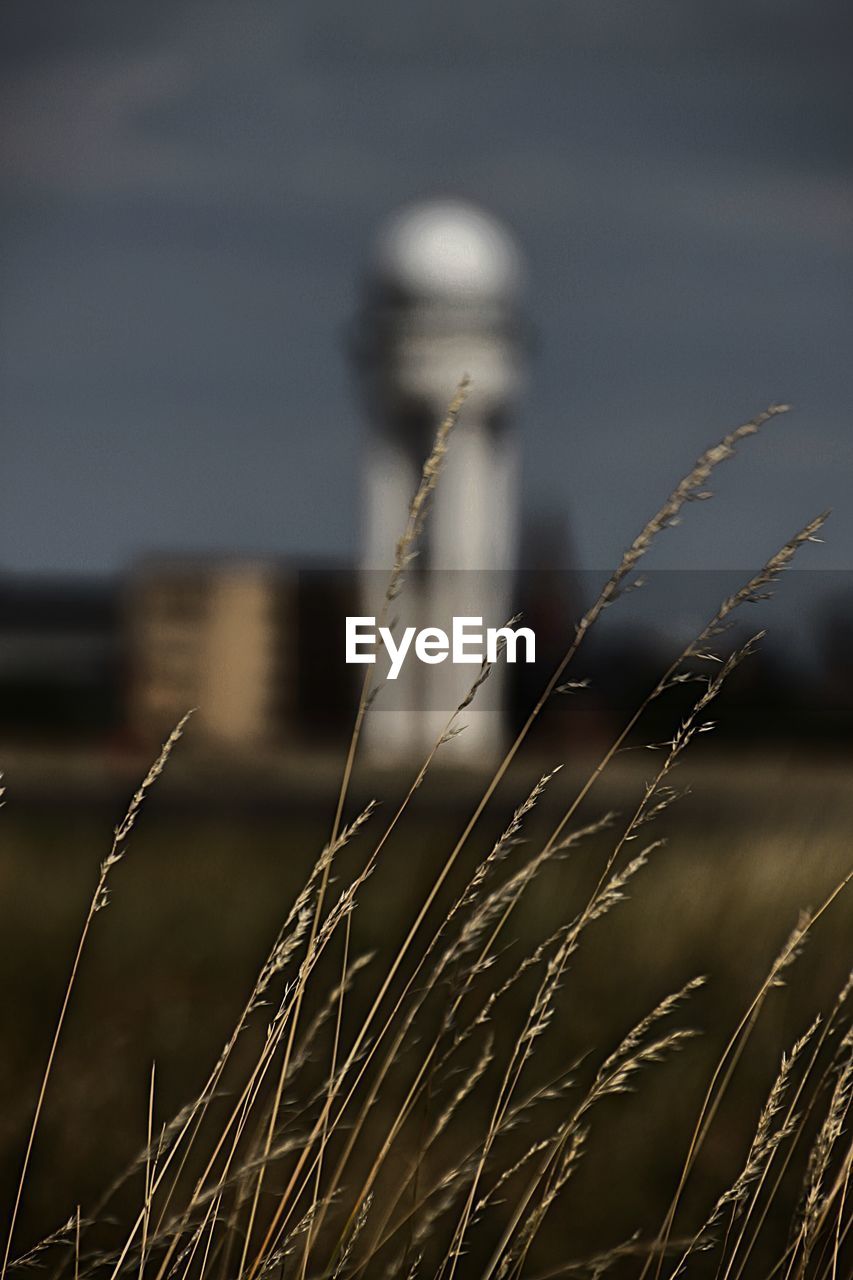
448	250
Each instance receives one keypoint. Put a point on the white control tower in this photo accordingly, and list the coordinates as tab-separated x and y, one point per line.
442	299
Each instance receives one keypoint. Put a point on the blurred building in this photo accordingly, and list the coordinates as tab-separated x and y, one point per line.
250	645
210	635
442	299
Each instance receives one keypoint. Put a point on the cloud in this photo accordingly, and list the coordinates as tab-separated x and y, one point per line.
77	126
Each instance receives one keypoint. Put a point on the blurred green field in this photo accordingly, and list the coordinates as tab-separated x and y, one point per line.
204	887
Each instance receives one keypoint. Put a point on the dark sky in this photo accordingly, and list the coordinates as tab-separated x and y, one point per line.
191	190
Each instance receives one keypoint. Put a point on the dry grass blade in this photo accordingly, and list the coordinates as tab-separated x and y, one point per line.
99	900
768	1138
404	552
34	1258
827	1028
724	1069
817	1200
239	1113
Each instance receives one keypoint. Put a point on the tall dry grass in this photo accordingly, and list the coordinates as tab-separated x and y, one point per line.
325	1146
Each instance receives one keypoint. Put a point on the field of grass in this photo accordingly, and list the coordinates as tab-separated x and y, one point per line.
199	901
